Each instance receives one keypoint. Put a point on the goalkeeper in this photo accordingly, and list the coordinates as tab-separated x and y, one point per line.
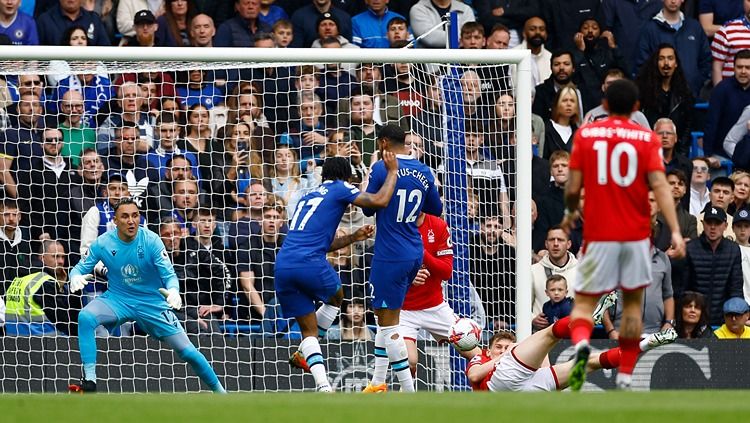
140	277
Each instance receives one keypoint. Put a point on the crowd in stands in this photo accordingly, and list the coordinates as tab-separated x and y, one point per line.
219	158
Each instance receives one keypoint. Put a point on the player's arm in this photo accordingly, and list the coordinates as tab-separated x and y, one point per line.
572	199
663	195
369	200
433	204
478	372
440	264
163	265
360	234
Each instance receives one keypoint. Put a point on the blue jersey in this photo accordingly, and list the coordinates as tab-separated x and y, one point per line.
22	31
398	238
314	223
137	269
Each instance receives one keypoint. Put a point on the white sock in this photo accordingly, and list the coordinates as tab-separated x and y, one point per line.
398	357
325	315
381	359
623	380
643	345
311	350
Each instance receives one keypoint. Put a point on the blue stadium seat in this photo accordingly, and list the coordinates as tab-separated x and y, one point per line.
30	329
696	150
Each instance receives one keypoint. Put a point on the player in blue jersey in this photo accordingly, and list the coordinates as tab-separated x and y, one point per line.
302	275
139	271
398	252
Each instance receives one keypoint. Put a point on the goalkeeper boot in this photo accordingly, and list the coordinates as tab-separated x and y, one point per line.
578	374
298	360
84	386
375	389
667	336
604	304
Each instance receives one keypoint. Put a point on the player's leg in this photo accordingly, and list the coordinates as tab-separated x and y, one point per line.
630	335
327	313
97	312
310	349
187	352
409	325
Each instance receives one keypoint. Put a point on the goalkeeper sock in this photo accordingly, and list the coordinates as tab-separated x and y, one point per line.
381	359
87	324
610	359
630	350
311	350
580	330
561	328
398	357
325	315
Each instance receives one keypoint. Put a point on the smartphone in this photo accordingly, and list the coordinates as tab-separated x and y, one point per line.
241	145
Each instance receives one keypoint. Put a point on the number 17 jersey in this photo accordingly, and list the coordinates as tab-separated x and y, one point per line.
615	157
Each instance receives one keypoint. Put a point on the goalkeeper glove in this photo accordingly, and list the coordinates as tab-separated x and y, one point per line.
173	297
79	281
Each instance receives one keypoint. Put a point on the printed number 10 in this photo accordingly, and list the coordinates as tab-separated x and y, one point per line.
612	164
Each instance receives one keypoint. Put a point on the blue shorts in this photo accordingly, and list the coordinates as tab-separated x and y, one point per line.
158	320
297	289
390	280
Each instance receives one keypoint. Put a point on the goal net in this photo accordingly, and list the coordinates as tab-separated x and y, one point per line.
217	147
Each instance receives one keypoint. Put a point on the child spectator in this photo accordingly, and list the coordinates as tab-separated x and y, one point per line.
269	13
559	304
283	33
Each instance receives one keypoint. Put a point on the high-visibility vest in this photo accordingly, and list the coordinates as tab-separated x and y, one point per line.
19	299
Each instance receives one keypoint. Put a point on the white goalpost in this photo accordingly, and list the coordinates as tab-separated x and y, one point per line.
224	143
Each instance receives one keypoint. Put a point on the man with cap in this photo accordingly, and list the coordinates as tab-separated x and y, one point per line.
328	26
721	195
736	314
741	228
306	21
714	264
144	23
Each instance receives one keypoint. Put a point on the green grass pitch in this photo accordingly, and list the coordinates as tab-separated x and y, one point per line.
599	407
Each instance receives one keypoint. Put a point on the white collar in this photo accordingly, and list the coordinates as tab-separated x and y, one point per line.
404	156
16	237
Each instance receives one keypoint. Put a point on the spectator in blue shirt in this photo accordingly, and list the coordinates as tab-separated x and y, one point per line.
270	13
52	24
18	26
96	89
370	27
714	13
241	29
335	82
559	304
196	89
168	130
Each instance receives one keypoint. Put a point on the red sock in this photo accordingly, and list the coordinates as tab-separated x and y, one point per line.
580	329
561	328
630	350
610	359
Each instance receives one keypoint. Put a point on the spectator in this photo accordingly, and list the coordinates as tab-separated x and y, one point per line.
159	157
558	260
713	14
44	189
146	27
20	141
560	304
667	132
534	39
327	27
248	221
670	26
565	19
256	266
720	195
692	317
283	33
563	71
599	112
397	32
551	205
41	299
714	264
18	26
284	178
625	19
336	81
731	38
185	200
88	184
741	196
665	93
595	53
688	223
239	163
97	91
563	122
310	136
364	129
130	105
741	228
74	36
52	24
127	9
736	315
428	121
352	324
386	108
485	176
15	245
173	28
307	19
240	30
727	116
161	88
195	87
491	260
699	193
199	142
161	193
498	37
737	141
123	158
77	134
269	13
370	27
202	31
426	14
510	14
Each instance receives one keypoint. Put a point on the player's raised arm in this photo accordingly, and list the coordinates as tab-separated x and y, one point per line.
360	234
663	195
380	199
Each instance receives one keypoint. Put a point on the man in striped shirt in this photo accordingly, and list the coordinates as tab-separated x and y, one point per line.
729	39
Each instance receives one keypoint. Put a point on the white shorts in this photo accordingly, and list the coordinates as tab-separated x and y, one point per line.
512	375
606	266
435	320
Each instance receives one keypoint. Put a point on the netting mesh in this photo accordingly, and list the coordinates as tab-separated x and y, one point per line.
218	155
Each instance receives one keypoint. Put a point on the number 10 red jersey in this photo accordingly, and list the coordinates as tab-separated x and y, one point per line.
615	156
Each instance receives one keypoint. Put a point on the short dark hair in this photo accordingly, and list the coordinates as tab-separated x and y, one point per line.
178	156
723	181
498	27
261	35
679	174
555	278
557	228
125	201
9	203
166	117
393	133
500	335
621	96
742	54
473	126
559	53
336	168
205	211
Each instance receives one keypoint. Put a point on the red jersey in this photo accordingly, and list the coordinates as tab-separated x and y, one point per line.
615	156
478	360
438	260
